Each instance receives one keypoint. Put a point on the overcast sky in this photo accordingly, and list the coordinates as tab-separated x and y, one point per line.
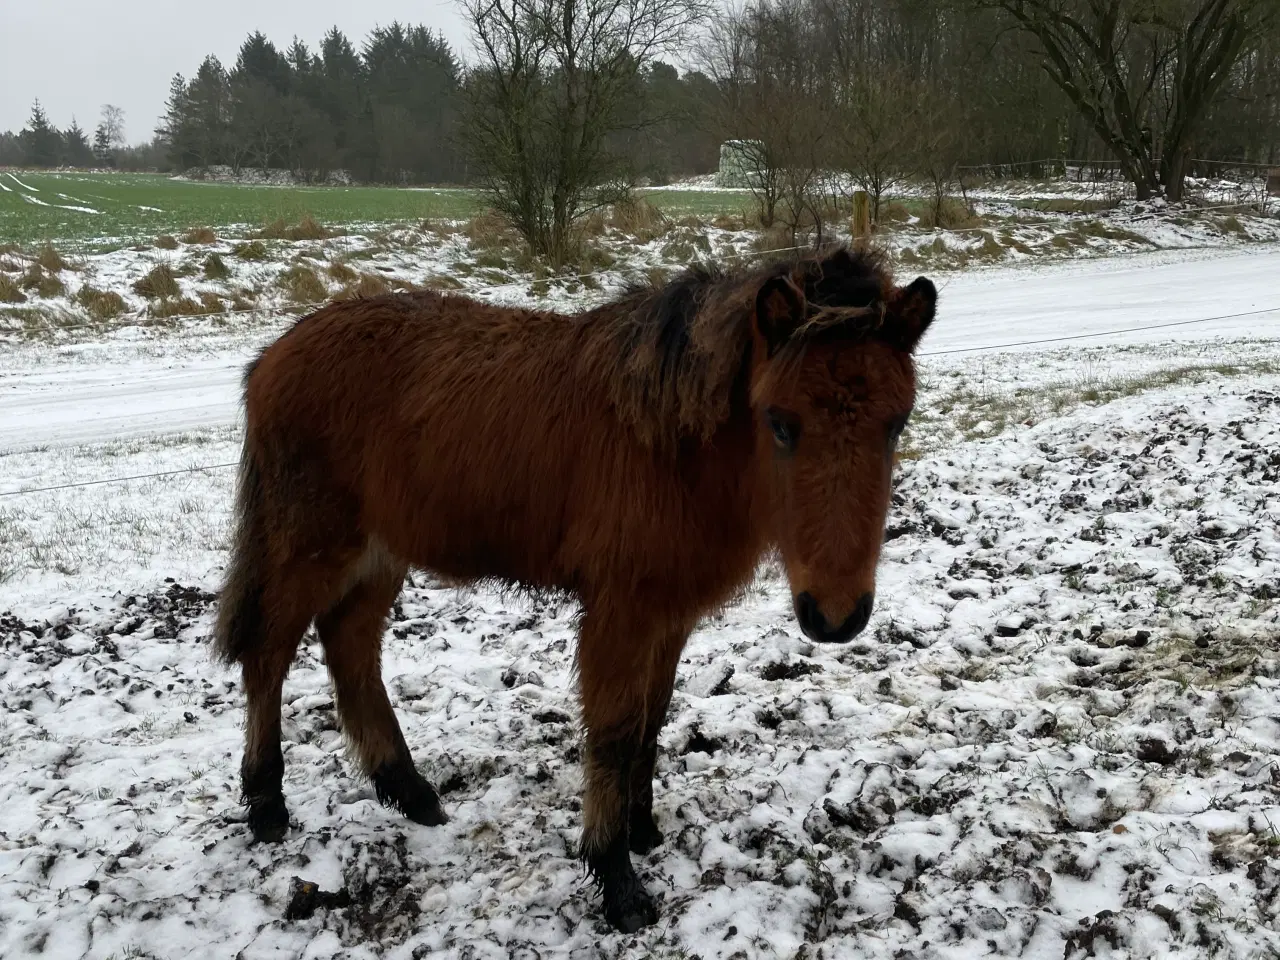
75	55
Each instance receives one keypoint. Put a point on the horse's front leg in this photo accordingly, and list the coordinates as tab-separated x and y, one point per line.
644	832
613	673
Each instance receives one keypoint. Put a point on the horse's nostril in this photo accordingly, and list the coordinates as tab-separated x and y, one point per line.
810	617
861	614
815	625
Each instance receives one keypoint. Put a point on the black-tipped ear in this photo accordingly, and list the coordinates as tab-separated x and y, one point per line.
910	312
779	310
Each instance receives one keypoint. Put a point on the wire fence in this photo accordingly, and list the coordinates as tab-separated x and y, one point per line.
986	348
1102	172
1206	181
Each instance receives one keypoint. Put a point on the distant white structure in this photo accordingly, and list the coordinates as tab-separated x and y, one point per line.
739	163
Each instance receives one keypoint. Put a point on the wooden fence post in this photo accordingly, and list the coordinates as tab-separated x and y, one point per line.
861	215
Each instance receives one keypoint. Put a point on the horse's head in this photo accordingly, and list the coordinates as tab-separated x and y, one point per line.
833	382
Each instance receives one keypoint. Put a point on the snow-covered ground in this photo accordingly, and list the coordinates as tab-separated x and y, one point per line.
1056	739
138	382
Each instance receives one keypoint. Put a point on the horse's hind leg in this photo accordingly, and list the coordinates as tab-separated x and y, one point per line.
612	667
264	666
352	636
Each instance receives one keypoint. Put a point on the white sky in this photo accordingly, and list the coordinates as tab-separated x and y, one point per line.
76	55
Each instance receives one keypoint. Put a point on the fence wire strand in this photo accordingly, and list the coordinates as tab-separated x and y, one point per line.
937	353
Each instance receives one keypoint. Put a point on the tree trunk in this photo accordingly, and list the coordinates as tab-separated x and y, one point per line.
1175	165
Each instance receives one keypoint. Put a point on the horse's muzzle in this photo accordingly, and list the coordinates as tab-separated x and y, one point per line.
815	625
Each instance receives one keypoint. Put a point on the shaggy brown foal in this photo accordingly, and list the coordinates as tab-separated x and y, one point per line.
641	456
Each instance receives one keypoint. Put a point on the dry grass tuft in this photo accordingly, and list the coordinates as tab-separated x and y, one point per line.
9	292
101	305
367	285
950	214
51	260
45	285
895	211
341	272
308	228
489	230
254	250
167	242
441	282
776	237
199	235
302	285
639	219
160	282
173	307
215	268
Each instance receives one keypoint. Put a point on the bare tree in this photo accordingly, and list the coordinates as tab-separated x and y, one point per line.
885	132
112	124
553	83
1144	72
776	101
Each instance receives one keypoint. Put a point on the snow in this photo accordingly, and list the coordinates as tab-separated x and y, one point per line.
116	389
1056	738
24	186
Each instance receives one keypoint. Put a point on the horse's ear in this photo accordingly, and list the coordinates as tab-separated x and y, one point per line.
909	314
779	310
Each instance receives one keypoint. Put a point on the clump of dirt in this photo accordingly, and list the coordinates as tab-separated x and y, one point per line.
791	670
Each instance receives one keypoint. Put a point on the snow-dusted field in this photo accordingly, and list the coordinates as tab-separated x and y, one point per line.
1056	739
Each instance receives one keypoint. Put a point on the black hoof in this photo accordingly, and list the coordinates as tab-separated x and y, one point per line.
403	788
644	834
269	819
630	910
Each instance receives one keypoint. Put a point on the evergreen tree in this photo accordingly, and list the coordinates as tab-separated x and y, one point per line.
175	130
75	147
41	142
102	146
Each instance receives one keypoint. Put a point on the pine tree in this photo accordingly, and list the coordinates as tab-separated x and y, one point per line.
174	130
75	147
41	142
102	146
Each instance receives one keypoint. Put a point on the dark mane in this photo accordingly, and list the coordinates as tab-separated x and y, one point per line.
673	352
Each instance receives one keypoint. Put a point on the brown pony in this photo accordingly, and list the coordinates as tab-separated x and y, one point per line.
641	457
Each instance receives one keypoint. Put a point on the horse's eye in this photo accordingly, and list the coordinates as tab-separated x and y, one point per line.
786	431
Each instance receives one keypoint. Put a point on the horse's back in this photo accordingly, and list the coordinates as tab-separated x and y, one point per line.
442	423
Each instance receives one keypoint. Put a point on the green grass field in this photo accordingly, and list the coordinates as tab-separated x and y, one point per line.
103	210
90	212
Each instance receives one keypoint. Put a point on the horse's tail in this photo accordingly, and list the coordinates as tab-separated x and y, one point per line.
241	624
